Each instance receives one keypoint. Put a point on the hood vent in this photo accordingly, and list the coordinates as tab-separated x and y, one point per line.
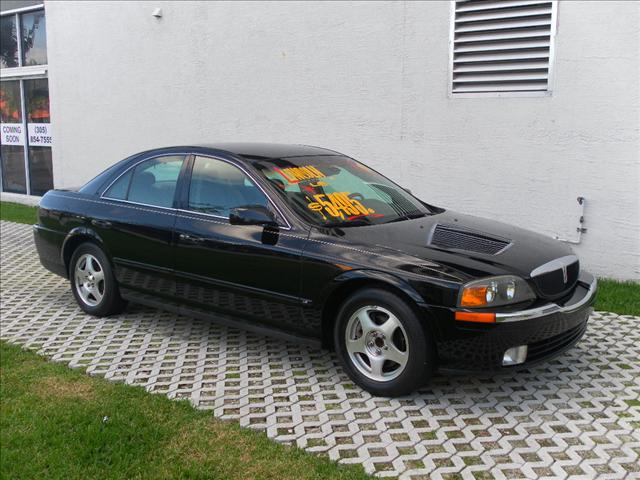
454	237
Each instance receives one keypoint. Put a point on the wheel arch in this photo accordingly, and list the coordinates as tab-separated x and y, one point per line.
350	282
74	239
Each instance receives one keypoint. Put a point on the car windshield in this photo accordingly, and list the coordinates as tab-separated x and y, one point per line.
338	191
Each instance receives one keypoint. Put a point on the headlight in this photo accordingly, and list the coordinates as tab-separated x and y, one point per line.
494	292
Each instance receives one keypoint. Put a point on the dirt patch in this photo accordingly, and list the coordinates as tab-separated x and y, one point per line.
57	388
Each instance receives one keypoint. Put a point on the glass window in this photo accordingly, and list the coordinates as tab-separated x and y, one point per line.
36	94
38	128
338	191
34	38
8	42
120	188
12	138
33	133
13	176
40	170
154	181
10	104
217	187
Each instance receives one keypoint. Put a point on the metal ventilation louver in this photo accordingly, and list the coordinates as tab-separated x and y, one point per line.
453	237
502	45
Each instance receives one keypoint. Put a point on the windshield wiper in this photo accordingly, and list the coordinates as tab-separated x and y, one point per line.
358	222
407	216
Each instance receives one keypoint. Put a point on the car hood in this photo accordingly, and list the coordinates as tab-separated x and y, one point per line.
472	246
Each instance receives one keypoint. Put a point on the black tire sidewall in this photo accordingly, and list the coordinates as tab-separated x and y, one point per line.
111	301
421	361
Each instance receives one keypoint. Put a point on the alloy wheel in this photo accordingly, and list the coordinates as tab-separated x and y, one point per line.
89	280
377	343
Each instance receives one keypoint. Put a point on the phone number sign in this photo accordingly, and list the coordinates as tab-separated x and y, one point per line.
39	134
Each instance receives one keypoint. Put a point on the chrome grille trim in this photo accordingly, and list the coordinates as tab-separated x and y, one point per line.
554	265
550	308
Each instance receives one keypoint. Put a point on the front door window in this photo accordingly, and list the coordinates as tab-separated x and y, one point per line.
217	187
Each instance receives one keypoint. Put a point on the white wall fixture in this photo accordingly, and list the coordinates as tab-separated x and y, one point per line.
580	229
157	13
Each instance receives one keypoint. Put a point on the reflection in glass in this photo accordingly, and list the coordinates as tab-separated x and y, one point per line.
8	42
10	111
36	94
13	177
40	170
34	38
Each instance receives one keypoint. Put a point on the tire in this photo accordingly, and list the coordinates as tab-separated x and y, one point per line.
93	283
364	319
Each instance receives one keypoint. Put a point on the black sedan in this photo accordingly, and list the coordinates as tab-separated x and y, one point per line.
309	244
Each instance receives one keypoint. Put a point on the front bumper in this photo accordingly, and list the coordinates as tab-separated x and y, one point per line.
547	331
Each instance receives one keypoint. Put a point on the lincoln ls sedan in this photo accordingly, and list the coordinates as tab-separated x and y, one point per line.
311	245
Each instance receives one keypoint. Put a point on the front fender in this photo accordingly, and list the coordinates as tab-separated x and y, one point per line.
372	275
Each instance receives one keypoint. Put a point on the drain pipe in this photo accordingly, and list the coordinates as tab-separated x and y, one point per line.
580	229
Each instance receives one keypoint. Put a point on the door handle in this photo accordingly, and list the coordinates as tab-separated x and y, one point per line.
101	223
190	238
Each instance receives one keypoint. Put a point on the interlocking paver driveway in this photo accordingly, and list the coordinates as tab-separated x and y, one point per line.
569	417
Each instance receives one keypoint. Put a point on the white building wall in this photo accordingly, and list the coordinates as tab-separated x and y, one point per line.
369	80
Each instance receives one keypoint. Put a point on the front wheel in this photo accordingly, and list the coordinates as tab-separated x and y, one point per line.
93	283
382	344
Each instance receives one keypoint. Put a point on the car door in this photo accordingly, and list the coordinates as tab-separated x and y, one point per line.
248	273
138	226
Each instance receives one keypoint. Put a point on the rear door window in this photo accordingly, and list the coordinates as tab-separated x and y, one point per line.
152	182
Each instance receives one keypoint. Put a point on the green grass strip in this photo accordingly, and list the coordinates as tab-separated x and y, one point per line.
16	212
618	297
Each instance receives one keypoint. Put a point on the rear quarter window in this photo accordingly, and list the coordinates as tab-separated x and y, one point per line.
151	182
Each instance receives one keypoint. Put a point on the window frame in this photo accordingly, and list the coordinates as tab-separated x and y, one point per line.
180	199
130	168
538	93
21	74
22	71
183	201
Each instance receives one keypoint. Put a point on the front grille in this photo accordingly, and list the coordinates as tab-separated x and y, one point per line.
544	348
450	237
552	284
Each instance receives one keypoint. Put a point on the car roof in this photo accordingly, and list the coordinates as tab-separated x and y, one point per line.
255	151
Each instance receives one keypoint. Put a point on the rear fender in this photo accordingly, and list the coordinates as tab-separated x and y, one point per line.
74	238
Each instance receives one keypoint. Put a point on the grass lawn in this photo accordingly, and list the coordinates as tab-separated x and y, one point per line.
618	297
61	423
15	212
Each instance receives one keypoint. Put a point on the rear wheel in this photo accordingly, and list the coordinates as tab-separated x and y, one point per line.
93	283
382	344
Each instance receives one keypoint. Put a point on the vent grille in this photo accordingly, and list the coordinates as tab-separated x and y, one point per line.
552	284
502	45
448	237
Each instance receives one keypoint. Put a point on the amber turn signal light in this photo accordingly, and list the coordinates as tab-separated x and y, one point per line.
476	317
474	296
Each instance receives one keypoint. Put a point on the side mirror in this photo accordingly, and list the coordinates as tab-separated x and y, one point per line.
252	215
